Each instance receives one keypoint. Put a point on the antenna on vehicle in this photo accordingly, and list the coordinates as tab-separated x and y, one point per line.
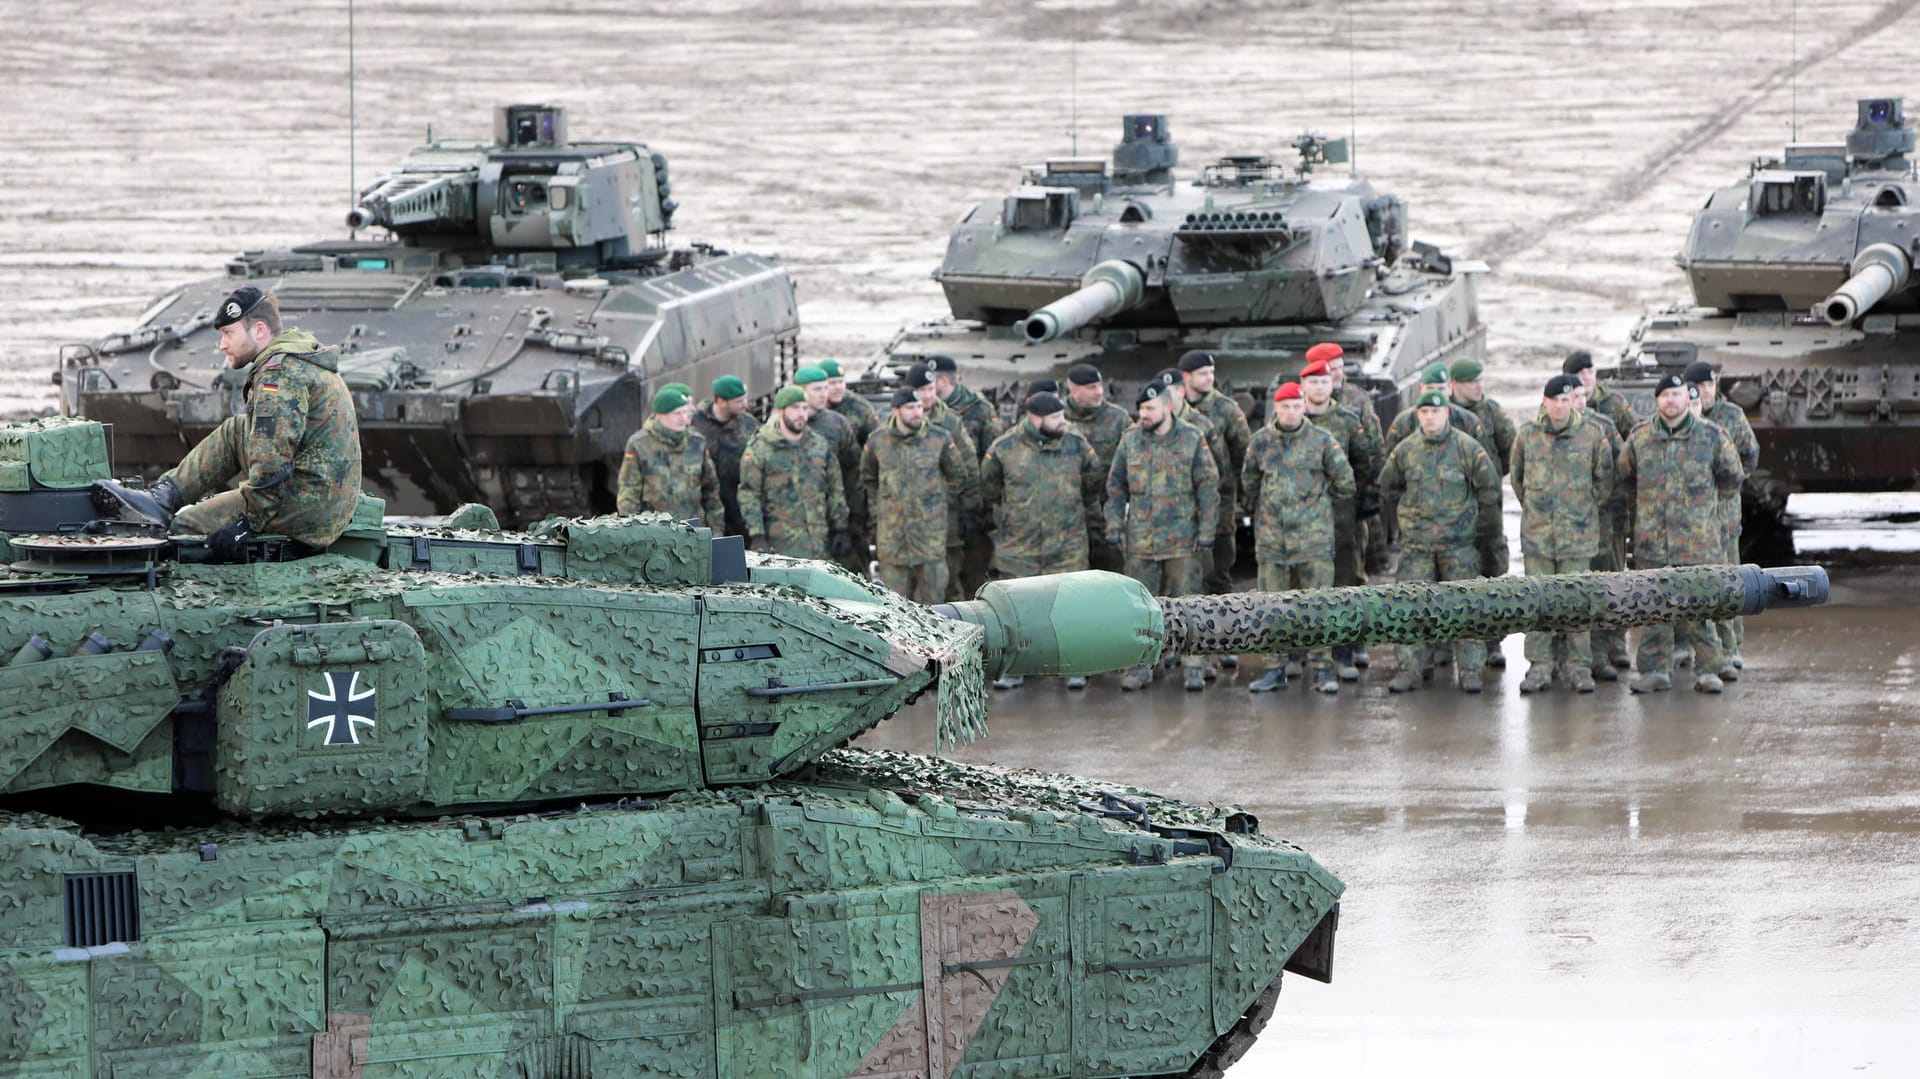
1073	78
1353	132
353	186
1793	66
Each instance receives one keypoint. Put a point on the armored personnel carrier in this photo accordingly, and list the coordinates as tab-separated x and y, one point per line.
503	325
1124	265
579	801
1806	303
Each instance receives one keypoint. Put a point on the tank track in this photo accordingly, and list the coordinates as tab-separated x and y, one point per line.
1228	1048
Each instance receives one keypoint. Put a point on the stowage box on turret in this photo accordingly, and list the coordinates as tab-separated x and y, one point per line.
1122	264
502	332
1806	303
580	801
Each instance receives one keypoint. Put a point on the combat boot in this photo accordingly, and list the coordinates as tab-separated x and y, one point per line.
1275	678
1344	665
1324	681
1683	657
1708	683
1076	681
1729	673
1658	682
1196	679
1496	658
1604	671
1012	681
1229	662
1583	679
1136	678
1404	682
1360	657
1469	681
154	505
1539	677
1619	658
1734	661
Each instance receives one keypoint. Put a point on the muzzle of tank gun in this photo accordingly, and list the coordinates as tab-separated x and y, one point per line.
1878	271
360	217
1108	289
1064	623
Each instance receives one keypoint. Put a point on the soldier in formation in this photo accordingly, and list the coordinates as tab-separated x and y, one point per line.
1041	487
1293	476
1728	417
727	426
864	420
1498	434
1197	373
840	435
972	548
1101	422
1439	481
295	445
913	472
1563	474
1163	497
1610	645
792	495
666	467
1361	446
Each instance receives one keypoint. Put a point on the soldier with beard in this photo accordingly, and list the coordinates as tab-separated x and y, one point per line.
1101	422
912	471
1197	371
982	424
1362	450
1562	474
727	426
666	468
791	492
963	516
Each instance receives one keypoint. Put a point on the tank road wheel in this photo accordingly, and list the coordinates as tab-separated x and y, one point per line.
1228	1048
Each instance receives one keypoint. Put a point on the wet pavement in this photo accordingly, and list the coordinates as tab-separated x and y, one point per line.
1599	885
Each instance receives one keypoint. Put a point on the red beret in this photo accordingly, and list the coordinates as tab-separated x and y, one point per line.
1325	351
1315	367
1290	391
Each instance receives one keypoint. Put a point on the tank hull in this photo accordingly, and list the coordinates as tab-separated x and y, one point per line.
850	925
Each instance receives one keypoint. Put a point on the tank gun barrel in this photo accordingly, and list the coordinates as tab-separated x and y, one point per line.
1108	289
1089	622
1878	271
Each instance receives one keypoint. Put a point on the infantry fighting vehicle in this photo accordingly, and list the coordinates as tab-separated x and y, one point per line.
1806	301
579	801
504	321
1126	266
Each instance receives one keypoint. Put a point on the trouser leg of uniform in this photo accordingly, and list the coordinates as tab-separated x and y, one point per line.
1275	577
210	513
1735	632
1415	565
1187	576
1378	548
213	464
1547	647
1462	564
1612	557
956	563
976	556
1106	556
1495	560
1348	544
1705	639
1219	569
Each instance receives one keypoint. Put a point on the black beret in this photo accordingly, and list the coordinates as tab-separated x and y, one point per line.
1577	362
1669	382
1560	384
1044	404
1170	377
904	396
1195	360
1699	371
1042	385
238	305
1084	374
918	376
1152	391
942	365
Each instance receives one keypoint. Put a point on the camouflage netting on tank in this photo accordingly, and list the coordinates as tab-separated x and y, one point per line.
56	452
1279	622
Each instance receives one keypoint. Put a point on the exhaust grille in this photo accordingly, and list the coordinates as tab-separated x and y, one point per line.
102	908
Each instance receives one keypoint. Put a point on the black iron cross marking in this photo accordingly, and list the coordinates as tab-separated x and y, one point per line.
340	707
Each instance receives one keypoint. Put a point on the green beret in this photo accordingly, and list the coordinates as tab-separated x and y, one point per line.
809	374
832	368
1431	398
728	387
789	395
682	387
1435	372
670	398
1466	369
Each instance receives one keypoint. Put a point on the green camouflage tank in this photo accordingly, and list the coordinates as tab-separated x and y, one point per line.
578	801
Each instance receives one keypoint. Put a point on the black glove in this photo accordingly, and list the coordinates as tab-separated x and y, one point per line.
839	545
228	543
757	543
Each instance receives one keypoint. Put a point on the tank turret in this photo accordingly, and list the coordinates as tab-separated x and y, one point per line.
505	311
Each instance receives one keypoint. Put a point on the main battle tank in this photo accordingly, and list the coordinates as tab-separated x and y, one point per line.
502	335
580	801
1805	300
1124	266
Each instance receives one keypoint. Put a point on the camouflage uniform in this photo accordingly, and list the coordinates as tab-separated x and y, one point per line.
1563	479
1370	534
1614	527
982	423
959	517
1614	407
910	479
725	443
1494	559
1362	450
865	421
295	449
1440	488
1674	478
839	433
1231	421
1043	496
669	471
1102	428
791	493
1729	417
1216	445
1163	496
860	414
1291	481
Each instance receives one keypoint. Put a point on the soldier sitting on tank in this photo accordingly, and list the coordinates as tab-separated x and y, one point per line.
295	445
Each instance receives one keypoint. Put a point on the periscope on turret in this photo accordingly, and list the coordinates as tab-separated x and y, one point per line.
502	330
1126	265
584	794
1804	302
